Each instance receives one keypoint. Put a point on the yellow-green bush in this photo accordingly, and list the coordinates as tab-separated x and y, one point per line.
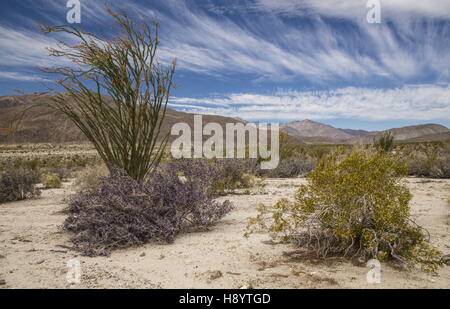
89	178
356	206
51	180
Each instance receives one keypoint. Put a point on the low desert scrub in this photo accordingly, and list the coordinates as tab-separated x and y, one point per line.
233	174
291	167
354	207
62	173
89	178
431	163
51	180
60	164
124	212
18	184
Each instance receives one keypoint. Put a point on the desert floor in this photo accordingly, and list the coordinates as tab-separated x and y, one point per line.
33	251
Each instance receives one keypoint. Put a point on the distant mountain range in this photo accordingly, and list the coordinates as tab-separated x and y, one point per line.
316	132
44	125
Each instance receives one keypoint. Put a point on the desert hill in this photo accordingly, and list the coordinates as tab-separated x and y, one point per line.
309	128
312	132
423	132
43	125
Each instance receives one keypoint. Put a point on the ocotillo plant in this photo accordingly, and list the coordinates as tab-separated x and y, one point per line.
125	127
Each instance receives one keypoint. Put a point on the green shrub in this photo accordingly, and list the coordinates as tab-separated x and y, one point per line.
51	180
353	207
18	184
385	142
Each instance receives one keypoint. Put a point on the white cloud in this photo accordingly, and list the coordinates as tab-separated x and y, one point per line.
412	102
265	46
403	50
356	8
21	76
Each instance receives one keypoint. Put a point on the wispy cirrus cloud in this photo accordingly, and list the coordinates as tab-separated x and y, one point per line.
355	9
23	48
23	76
271	47
256	39
411	102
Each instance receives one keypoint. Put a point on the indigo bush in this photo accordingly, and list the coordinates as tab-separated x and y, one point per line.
124	212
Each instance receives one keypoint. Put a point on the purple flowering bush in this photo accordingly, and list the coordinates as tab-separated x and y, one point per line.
123	212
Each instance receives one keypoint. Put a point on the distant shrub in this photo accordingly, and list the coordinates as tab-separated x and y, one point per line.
291	167
441	168
354	207
63	173
385	142
89	178
233	174
51	180
124	212
18	184
430	162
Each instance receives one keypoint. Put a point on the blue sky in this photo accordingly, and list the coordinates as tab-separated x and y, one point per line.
270	60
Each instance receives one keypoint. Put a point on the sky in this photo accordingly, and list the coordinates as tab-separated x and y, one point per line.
268	60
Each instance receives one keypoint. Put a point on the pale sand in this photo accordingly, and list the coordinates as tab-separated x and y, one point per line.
30	255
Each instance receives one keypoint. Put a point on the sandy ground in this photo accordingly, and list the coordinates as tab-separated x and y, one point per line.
33	252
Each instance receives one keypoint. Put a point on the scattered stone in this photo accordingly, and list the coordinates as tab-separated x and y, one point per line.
215	274
162	256
2	256
142	254
2	282
40	262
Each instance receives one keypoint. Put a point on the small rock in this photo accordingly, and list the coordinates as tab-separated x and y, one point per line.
40	262
213	275
142	254
360	262
162	256
2	282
